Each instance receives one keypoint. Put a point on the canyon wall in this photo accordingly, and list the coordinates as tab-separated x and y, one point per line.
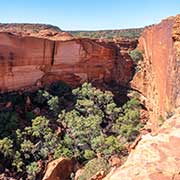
156	155
26	61
159	79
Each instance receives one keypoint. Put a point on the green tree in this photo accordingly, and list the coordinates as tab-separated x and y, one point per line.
94	110
128	123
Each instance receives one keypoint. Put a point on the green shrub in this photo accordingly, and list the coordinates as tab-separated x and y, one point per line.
62	151
53	103
58	88
33	169
65	148
18	162
6	147
93	167
136	55
124	33
106	146
26	148
112	146
8	123
128	123
160	120
39	98
31	144
30	115
89	154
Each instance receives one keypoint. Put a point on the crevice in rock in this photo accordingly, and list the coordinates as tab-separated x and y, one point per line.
53	52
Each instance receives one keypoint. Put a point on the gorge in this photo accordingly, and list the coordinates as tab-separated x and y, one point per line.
30	61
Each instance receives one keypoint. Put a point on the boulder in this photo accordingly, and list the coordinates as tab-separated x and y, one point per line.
59	169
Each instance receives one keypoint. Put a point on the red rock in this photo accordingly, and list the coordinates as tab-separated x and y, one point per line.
28	61
115	161
99	176
159	176
159	79
155	157
36	30
59	169
78	174
176	176
63	36
8	104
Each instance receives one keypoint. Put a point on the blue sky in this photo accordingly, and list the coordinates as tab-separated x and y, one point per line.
88	14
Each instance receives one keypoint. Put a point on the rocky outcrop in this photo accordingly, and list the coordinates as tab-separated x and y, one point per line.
26	61
59	169
156	157
36	30
159	78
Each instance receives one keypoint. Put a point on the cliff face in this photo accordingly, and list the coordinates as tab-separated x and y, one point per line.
156	155
26	61
22	60
159	80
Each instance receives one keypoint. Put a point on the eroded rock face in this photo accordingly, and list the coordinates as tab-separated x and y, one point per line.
159	78
155	157
22	60
28	60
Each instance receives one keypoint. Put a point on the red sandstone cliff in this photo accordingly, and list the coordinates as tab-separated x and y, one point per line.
28	60
159	78
156	156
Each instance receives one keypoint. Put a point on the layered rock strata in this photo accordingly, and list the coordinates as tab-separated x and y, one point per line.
28	60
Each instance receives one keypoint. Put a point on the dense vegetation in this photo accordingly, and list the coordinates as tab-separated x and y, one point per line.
110	34
83	123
